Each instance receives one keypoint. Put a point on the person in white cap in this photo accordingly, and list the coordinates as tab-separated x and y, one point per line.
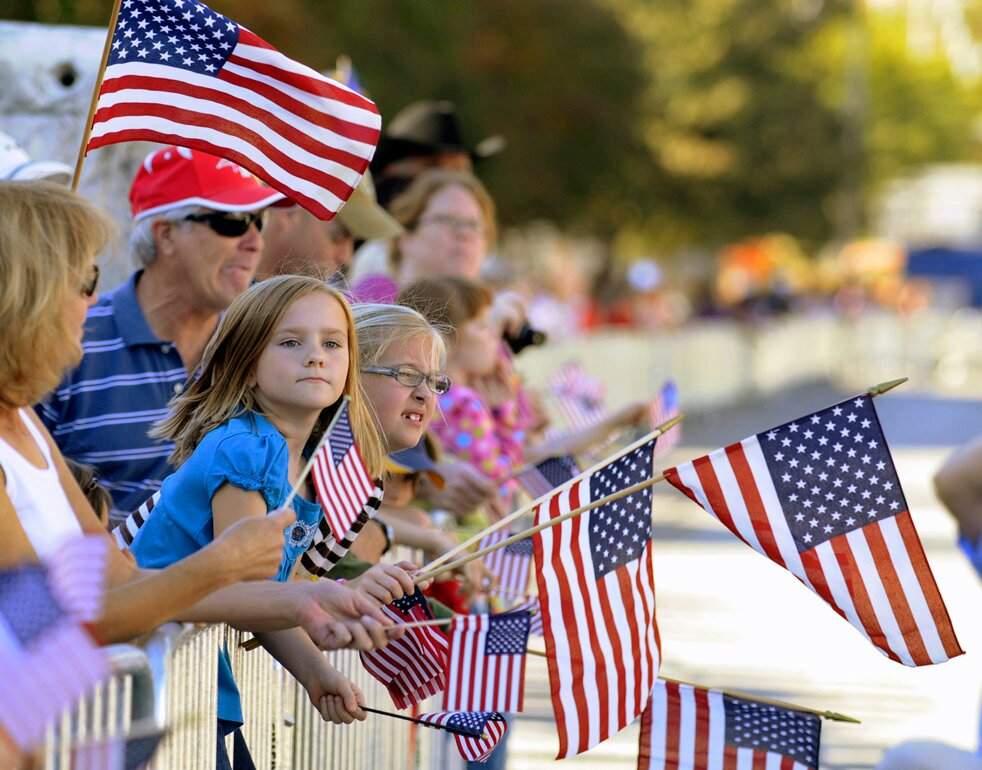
297	242
197	241
16	165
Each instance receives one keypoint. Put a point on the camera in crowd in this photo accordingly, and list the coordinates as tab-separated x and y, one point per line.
526	336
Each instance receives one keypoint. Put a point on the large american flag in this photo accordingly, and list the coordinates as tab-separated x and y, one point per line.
181	73
472	747
690	728
510	565
486	664
597	594
342	481
47	660
664	407
820	496
411	668
540	479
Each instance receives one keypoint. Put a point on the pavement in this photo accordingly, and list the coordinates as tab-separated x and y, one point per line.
731	619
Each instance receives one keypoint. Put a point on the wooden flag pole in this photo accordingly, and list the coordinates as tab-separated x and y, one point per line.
429	574
448	728
87	131
883	387
313	455
440	621
494	527
833	716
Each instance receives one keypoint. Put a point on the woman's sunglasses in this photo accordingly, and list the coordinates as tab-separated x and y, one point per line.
227	223
88	288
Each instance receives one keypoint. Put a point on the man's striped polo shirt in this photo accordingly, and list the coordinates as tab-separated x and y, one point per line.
102	411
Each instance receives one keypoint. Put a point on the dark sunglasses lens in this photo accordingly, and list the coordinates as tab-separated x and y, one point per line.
234	226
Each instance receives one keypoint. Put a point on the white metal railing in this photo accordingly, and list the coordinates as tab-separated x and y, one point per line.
125	699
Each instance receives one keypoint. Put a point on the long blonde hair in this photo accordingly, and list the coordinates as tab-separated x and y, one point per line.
222	390
48	234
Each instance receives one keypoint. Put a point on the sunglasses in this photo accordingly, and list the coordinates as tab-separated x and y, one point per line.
410	377
228	224
88	288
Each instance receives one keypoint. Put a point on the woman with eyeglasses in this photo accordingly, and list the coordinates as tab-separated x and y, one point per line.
49	238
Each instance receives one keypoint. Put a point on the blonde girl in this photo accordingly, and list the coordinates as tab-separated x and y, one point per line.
271	379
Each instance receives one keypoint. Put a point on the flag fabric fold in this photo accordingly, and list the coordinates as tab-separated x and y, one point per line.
597	595
181	73
486	663
473	747
411	668
579	396
820	497
692	728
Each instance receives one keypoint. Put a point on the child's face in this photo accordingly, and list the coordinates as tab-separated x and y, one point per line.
403	412
304	366
474	349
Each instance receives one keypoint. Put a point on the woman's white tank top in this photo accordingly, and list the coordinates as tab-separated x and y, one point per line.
42	507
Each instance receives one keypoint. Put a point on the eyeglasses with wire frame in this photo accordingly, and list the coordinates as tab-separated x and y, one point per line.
411	377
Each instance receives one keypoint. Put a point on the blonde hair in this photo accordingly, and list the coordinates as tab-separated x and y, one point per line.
408	208
380	326
222	389
48	236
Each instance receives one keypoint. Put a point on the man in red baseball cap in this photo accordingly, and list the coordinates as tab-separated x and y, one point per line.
197	243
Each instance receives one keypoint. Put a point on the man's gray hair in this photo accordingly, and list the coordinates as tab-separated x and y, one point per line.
142	246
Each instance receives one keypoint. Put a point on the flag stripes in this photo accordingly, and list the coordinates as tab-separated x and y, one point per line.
478	679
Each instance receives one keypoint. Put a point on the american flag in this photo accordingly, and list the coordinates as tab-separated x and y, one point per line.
411	668
47	660
472	747
541	478
597	594
341	479
820	496
579	396
324	551
664	408
181	73
486	665
686	727
119	753
510	565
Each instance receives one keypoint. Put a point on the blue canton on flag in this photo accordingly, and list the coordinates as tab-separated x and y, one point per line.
621	529
474	724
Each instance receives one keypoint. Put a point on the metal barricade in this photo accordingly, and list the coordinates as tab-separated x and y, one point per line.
184	660
124	699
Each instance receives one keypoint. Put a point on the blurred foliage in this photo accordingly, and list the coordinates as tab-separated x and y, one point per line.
665	124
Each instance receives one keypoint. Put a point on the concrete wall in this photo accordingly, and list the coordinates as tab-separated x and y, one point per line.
47	74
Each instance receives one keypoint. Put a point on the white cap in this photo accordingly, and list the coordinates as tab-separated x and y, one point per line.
16	165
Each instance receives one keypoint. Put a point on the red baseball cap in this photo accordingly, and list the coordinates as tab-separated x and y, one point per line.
172	177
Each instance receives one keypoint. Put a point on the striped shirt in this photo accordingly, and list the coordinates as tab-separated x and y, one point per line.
101	412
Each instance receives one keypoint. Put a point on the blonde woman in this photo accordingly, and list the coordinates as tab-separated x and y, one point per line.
49	238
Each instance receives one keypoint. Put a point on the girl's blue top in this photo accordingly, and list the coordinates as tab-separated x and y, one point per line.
247	452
